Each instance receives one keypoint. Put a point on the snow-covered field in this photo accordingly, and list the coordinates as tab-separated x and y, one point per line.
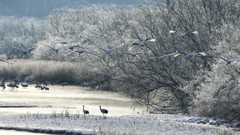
60	111
73	121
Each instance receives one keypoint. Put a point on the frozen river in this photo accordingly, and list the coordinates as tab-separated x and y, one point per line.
71	98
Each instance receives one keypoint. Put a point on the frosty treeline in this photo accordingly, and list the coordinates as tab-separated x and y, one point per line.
205	85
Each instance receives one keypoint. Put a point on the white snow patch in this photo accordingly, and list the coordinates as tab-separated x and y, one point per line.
72	121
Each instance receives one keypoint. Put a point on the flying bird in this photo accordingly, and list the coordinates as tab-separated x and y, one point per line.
134	54
103	110
228	61
71	47
191	54
85	111
79	52
109	50
183	35
27	50
161	57
55	49
143	43
24	51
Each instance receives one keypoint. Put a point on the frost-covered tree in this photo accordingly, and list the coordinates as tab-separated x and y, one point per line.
16	31
216	91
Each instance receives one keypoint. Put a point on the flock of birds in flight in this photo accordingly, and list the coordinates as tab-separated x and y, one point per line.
71	47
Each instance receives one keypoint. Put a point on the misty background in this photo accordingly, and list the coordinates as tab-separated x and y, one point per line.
42	8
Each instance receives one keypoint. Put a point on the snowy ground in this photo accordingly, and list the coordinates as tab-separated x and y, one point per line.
73	121
60	111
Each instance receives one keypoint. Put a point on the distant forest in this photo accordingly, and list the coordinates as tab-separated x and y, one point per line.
42	8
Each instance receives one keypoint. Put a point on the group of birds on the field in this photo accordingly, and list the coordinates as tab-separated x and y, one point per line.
43	86
13	85
183	35
103	111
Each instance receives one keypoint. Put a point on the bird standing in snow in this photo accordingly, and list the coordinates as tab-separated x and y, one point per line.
103	110
85	111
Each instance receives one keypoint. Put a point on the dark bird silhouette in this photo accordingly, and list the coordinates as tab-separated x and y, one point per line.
38	86
27	50
183	35
109	50
79	52
71	47
228	61
104	111
138	53
3	85
44	88
64	84
46	83
191	54
24	85
143	43
12	85
55	49
85	111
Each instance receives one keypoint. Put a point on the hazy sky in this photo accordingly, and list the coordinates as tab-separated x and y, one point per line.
41	8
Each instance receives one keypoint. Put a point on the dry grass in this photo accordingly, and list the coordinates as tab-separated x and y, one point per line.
41	70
